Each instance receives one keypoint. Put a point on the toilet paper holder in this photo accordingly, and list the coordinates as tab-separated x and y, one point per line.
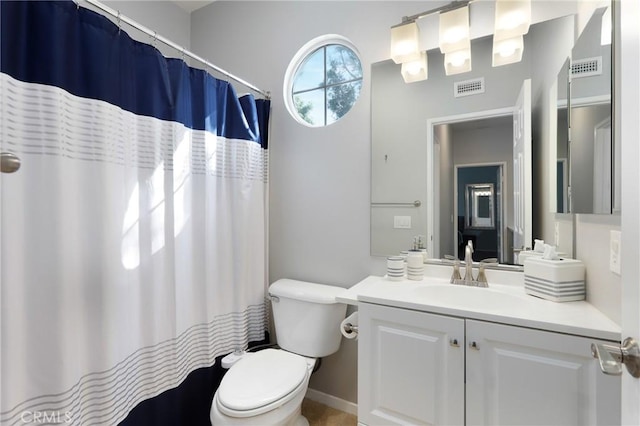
350	328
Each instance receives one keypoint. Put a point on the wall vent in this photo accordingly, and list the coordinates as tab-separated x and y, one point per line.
586	67
468	87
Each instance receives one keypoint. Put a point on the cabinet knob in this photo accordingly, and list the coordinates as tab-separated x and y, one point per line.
474	345
454	343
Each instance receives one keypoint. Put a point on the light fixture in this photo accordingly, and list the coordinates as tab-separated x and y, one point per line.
405	42
513	18
457	62
415	70
512	21
454	30
507	51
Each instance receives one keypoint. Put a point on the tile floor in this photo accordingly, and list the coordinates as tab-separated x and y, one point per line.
320	415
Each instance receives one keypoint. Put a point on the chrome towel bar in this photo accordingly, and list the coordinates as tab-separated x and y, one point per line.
416	203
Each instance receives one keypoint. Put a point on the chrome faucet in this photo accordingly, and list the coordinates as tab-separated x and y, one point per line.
480	280
468	264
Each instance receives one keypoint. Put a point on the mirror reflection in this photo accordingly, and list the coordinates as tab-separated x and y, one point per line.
562	141
425	133
479	206
586	154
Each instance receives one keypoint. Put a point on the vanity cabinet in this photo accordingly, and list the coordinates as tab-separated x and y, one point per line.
410	367
421	368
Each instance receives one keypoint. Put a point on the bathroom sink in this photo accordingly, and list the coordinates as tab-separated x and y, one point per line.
466	297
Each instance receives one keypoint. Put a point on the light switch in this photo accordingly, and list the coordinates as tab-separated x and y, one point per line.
615	251
402	222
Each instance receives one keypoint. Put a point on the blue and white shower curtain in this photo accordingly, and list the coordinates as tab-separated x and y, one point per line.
133	237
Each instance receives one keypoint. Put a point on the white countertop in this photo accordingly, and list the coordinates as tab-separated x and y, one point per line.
505	302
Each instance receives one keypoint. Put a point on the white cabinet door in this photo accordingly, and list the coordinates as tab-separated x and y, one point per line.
521	376
410	367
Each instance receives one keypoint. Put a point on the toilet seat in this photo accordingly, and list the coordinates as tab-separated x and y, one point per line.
261	382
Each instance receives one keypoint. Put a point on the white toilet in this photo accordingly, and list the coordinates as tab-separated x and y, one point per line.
267	387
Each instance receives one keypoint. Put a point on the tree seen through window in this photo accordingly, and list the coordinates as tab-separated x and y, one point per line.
327	84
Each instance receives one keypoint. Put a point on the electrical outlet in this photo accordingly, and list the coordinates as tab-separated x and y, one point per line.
615	252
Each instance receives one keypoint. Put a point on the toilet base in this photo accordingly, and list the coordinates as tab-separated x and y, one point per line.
302	421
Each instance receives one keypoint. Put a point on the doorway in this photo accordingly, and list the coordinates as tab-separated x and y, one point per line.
481	139
478	197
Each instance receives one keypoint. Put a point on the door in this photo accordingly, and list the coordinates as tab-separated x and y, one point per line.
410	367
627	90
602	151
522	214
522	376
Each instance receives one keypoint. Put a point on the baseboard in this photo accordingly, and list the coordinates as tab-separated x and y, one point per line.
332	401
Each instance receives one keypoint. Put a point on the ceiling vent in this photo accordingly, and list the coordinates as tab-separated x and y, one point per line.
586	67
468	87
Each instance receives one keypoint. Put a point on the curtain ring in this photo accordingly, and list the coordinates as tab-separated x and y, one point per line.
155	38
119	23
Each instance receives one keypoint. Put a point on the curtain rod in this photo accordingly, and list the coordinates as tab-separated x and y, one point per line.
121	18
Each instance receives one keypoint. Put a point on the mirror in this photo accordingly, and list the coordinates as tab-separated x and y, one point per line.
587	172
408	180
479	206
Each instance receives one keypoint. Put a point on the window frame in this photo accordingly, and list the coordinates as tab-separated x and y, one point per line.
309	49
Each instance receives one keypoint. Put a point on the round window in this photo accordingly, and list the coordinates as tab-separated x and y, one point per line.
323	81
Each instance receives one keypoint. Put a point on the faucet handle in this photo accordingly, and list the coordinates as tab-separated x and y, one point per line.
455	276
482	278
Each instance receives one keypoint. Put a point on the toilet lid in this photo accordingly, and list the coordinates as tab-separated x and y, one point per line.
261	379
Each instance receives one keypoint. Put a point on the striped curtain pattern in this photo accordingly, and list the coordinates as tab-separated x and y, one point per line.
133	237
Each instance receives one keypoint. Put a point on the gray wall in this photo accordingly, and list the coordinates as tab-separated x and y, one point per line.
320	178
165	17
444	190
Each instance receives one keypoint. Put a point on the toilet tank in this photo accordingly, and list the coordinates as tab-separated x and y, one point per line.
307	317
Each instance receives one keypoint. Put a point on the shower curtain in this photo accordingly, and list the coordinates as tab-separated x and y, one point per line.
133	237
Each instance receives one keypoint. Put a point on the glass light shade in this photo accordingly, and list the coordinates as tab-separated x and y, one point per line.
507	51
457	62
513	18
454	30
405	41
415	70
